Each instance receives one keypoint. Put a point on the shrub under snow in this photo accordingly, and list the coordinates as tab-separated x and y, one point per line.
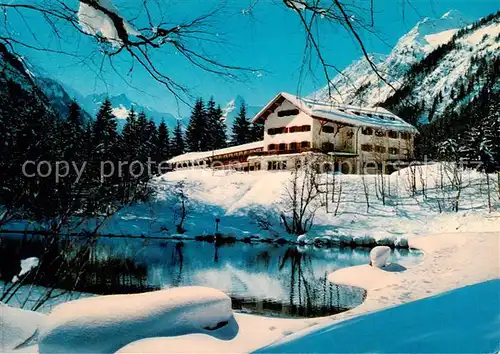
379	256
105	324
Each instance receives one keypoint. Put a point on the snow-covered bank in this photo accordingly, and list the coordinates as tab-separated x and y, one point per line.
417	201
448	323
17	326
451	261
104	324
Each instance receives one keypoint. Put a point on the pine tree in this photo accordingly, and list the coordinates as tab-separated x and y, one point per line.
196	132
241	128
129	137
104	132
220	129
257	132
163	143
177	147
216	127
72	133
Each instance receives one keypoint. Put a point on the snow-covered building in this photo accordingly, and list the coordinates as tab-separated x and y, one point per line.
348	138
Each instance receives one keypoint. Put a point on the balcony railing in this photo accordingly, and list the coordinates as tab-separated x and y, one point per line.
296	151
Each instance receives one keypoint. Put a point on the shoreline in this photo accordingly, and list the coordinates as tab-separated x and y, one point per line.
449	261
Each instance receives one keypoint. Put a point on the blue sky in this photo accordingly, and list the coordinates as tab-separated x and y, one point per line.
271	40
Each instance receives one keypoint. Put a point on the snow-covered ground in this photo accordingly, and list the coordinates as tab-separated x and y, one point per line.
249	204
464	320
460	249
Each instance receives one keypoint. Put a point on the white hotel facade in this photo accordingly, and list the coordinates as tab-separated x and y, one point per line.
347	137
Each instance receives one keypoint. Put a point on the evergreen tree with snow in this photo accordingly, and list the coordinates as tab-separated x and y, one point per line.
177	147
196	132
241	127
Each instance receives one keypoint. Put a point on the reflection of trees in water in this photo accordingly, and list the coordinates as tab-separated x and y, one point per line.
177	259
114	266
69	264
312	294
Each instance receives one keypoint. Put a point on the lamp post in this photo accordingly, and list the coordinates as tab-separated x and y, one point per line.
217	221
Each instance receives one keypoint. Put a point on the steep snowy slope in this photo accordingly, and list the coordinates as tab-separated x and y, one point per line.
358	84
453	74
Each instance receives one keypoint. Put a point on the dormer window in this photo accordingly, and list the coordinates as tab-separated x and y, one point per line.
288	112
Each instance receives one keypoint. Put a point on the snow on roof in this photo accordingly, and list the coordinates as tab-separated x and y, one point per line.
376	117
193	156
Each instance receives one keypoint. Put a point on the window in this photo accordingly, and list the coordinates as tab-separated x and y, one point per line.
393	151
305	144
380	149
367	131
366	147
283	165
269	165
306	128
282	147
271	147
292	129
369	115
392	134
405	136
328	147
328	129
275	165
289	112
379	133
293	146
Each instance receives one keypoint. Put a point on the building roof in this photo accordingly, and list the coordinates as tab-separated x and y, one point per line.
376	117
194	156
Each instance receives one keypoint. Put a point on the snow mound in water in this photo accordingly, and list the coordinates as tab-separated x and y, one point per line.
105	324
17	326
379	256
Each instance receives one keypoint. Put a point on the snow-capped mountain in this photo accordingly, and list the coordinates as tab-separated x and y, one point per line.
359	84
121	107
453	74
232	109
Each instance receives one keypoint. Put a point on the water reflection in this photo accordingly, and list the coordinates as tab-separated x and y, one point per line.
261	278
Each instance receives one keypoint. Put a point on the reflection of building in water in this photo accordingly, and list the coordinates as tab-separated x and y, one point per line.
350	138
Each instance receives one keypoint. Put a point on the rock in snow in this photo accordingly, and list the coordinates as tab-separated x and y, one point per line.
17	326
105	324
379	256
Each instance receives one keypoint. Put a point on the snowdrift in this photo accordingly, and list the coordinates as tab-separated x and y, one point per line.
448	323
105	324
17	326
